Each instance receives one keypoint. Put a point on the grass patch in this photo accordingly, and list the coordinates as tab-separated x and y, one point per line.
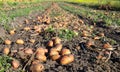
67	34
5	63
95	15
7	16
62	33
113	3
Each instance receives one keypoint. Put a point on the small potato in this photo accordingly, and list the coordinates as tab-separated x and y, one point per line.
6	51
37	68
32	40
53	52
58	47
7	42
20	41
28	51
55	57
50	43
66	59
41	58
35	62
12	32
56	41
27	28
15	64
41	51
65	51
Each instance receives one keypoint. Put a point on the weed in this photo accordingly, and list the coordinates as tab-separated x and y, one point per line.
50	29
5	63
66	34
62	33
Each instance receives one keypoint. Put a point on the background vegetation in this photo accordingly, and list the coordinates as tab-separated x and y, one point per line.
10	9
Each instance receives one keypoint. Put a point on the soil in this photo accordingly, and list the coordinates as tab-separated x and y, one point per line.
2	33
85	57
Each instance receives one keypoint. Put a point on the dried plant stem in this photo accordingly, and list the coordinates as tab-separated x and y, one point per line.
108	57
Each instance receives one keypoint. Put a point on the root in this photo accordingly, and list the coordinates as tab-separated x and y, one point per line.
108	57
29	61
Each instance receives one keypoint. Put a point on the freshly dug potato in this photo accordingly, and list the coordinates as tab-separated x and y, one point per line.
7	42
50	43
15	64
56	41
66	59
35	61
40	57
28	51
20	41
6	51
53	52
37	68
55	57
65	51
27	28
41	51
12	32
58	47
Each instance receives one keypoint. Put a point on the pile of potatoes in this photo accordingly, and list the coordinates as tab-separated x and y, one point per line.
54	49
58	53
23	54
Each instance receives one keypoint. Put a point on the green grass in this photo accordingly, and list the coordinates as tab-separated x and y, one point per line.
25	11
94	15
67	34
7	16
62	33
113	3
5	63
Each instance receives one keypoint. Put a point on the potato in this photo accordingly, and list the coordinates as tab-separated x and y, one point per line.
20	41
65	51
15	64
66	59
55	57
50	43
58	47
53	52
41	51
36	67
40	57
7	42
28	51
6	51
56	41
